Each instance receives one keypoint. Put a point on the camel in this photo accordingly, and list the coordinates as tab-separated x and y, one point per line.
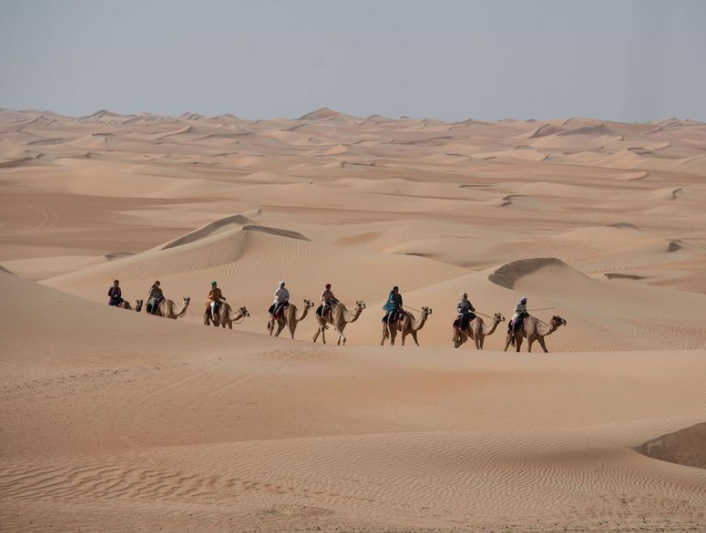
126	305
476	330
533	330
407	326
339	317
166	308
289	318
224	316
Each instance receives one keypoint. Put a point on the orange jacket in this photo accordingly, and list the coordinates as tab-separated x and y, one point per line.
215	295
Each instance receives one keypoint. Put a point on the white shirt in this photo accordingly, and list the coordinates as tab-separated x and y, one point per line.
281	295
465	306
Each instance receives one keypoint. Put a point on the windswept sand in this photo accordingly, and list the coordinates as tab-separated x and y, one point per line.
116	421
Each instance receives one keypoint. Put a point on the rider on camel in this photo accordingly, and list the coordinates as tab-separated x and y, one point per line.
328	300
520	314
466	311
154	298
281	300
115	294
393	306
215	299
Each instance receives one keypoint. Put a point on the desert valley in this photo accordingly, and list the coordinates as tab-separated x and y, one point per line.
112	420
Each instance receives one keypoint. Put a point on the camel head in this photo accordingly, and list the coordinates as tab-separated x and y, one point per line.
426	311
187	299
244	311
497	317
138	305
360	304
308	304
557	321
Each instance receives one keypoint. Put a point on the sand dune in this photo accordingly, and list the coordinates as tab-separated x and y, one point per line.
117	421
685	447
508	274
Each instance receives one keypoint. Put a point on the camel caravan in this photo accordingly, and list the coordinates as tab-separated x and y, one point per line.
338	316
333	314
288	318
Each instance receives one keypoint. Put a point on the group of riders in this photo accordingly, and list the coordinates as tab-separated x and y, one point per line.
393	307
466	313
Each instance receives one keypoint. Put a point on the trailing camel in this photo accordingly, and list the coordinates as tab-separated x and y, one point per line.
289	318
408	325
476	330
339	317
225	316
167	309
533	330
126	305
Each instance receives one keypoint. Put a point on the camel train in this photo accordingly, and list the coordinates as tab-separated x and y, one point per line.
475	330
533	329
288	318
407	325
333	313
166	308
338	316
224	316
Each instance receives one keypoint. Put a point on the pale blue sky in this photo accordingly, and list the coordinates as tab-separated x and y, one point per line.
627	60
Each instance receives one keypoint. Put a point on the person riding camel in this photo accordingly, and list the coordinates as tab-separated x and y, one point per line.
393	306
466	311
115	294
154	298
520	314
328	300
215	299
281	301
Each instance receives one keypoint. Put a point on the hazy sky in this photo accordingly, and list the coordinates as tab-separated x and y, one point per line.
624	60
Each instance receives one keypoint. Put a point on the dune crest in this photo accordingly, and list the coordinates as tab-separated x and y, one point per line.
684	447
208	229
508	274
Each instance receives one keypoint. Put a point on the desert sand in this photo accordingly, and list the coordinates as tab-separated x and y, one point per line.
112	420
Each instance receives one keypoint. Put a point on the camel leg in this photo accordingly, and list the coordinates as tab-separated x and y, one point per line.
206	320
393	336
508	341
341	336
462	338
280	327
292	328
518	343
530	340
403	334
540	340
384	334
320	331
230	324
414	336
482	342
270	327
